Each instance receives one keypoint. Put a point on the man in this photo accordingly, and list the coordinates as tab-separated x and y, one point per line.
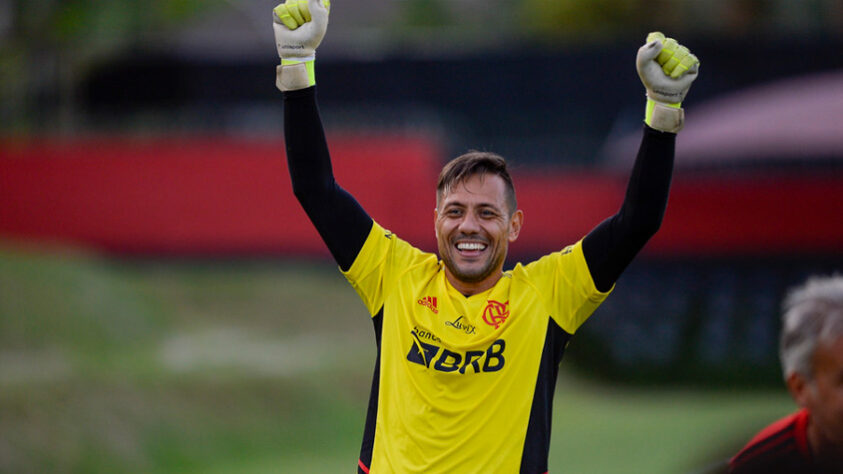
468	353
811	348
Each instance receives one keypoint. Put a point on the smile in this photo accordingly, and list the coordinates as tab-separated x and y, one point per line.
471	248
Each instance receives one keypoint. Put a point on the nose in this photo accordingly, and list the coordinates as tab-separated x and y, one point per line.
469	224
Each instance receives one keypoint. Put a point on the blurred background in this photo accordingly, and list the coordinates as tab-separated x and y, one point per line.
166	307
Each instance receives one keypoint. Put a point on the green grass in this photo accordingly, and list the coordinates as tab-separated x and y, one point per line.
612	430
231	367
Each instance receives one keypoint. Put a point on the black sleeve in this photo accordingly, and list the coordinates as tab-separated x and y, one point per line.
337	216
612	245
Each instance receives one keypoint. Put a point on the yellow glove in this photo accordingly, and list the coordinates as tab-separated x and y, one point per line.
667	70
299	27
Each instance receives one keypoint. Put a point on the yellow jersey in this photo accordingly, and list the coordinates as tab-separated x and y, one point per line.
465	384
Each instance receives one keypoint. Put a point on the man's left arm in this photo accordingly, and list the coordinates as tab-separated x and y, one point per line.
667	70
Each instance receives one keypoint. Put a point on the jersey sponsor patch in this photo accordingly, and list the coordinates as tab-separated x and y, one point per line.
461	324
444	360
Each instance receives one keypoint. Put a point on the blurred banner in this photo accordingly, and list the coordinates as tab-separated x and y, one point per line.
211	196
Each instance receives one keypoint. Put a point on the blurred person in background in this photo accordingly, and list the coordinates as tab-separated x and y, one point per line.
468	354
811	348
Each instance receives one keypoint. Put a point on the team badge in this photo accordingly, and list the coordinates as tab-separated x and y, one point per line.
496	313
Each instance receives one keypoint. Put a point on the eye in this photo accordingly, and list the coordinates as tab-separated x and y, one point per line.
487	213
453	212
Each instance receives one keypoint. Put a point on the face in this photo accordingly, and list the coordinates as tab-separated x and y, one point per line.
474	228
823	396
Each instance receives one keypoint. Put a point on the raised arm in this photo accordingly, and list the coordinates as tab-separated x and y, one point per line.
299	27
667	70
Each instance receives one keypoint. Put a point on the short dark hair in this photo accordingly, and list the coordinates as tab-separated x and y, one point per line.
476	162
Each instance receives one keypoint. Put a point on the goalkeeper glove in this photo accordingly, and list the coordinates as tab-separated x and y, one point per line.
299	28
667	70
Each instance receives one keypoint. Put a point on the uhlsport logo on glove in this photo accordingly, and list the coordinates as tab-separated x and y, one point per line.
666	69
299	27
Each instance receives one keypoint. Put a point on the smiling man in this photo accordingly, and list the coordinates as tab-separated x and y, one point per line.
467	353
476	219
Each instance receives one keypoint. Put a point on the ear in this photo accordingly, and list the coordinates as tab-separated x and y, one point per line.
799	388
515	223
435	219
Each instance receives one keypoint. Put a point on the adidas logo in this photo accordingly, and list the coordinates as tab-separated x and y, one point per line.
430	302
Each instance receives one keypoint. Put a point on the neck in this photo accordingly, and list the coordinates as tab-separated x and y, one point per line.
825	452
473	288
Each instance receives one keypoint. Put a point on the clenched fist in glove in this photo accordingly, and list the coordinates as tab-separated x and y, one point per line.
667	70
299	28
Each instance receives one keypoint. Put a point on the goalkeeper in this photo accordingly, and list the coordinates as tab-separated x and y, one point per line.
467	353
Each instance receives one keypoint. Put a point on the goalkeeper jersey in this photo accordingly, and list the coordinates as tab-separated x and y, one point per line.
465	384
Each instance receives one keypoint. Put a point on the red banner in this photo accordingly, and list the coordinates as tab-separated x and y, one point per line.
209	195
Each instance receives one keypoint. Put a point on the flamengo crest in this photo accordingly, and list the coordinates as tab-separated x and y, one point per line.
496	313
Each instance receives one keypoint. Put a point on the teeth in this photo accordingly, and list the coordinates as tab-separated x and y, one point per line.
470	246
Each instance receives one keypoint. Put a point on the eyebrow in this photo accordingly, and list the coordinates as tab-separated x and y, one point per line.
483	205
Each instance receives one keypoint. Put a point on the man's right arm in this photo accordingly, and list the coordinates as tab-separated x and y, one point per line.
340	220
344	226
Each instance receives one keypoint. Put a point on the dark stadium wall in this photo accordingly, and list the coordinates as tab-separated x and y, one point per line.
481	96
232	196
